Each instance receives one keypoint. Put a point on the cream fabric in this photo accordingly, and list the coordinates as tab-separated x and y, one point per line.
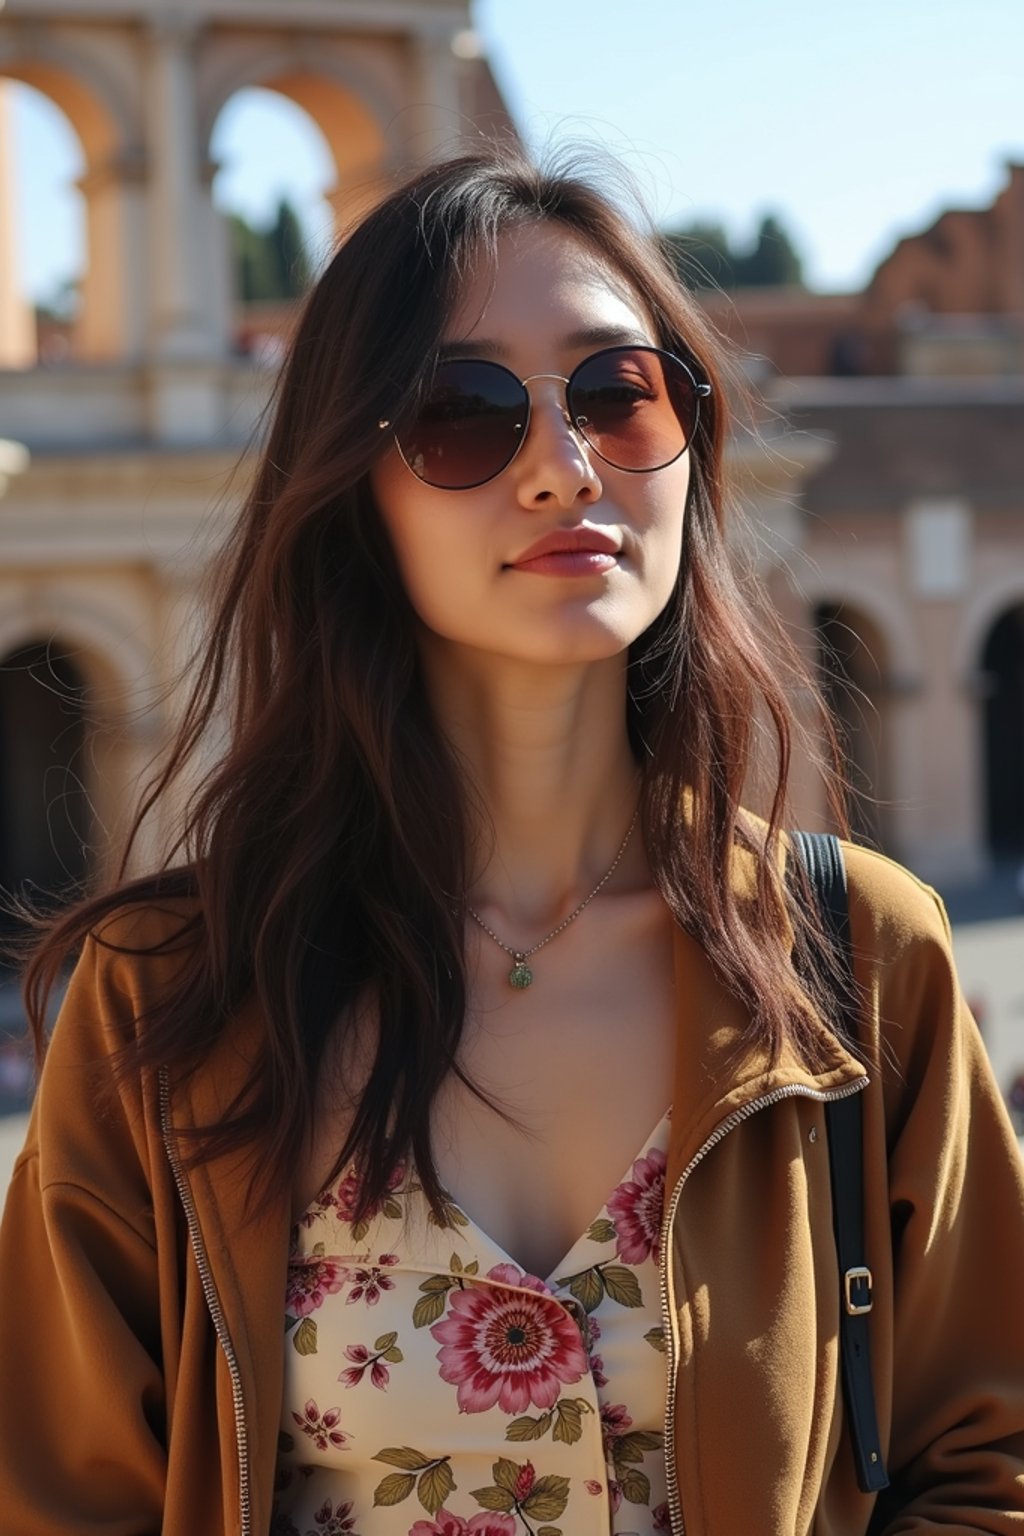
433	1388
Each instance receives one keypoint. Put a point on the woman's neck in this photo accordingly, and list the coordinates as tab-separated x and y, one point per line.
548	752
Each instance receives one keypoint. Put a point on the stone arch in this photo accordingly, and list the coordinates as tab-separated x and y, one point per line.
854	662
350	108
46	809
122	724
987	601
888	616
108	325
1001	663
114	662
88	95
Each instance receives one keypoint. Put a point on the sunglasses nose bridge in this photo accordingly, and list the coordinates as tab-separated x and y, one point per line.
558	378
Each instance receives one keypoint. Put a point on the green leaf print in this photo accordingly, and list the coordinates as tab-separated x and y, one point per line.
385	1341
434	1487
635	1485
497	1499
394	1488
569	1413
505	1473
527	1428
634	1445
547	1499
655	1337
622	1285
304	1337
393	1356
450	1215
548	1530
588	1288
428	1309
602	1230
403	1456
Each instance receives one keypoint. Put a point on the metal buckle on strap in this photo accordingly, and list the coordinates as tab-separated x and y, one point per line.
858	1276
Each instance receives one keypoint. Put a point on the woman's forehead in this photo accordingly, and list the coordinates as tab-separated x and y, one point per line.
544	279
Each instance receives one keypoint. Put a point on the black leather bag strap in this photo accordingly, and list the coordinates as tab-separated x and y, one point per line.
822	856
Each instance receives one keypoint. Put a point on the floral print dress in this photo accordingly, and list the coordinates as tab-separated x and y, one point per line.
432	1388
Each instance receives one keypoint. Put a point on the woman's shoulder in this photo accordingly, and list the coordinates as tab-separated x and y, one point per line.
891	904
129	955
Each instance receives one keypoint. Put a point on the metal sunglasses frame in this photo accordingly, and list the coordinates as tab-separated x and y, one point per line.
701	390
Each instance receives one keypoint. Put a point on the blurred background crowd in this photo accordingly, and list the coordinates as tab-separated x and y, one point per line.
844	192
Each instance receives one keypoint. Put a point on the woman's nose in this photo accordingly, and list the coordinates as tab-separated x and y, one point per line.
554	463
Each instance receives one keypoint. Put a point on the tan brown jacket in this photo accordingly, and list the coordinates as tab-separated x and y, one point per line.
141	1319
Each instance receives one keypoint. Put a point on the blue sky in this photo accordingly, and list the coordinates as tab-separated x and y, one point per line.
855	123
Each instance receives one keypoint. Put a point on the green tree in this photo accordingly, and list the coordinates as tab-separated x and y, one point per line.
269	263
704	256
772	262
290	262
701	255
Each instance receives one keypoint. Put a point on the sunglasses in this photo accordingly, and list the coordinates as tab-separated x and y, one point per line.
636	407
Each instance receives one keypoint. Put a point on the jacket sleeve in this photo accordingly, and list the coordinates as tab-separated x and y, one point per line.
955	1376
81	1384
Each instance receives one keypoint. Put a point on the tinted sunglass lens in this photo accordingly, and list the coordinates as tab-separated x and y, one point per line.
469	426
636	406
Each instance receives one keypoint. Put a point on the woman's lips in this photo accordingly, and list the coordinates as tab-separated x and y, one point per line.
569	562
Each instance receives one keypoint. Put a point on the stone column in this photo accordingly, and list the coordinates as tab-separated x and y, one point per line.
17	326
177	307
435	95
186	397
111	324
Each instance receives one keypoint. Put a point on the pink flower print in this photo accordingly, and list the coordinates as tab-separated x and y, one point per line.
636	1209
484	1524
592	1486
369	1283
348	1194
508	1347
318	1208
364	1359
614	1421
310	1281
524	1482
354	1374
614	1495
593	1333
661	1519
333	1522
321	1427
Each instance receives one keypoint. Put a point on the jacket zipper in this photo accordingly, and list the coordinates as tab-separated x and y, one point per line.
668	1310
213	1305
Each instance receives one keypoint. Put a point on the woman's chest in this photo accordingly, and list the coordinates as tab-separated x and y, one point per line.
573	1073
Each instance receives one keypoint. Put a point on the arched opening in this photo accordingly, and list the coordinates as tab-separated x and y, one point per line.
46	821
275	171
98	153
42	209
1002	663
851	672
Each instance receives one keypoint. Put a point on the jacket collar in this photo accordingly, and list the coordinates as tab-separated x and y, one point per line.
719	1068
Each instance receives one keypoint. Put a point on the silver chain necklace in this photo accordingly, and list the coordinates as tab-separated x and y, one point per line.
520	976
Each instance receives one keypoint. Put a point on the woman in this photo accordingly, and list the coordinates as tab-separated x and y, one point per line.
440	1146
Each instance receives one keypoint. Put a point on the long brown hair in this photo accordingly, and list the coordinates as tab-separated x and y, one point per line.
323	846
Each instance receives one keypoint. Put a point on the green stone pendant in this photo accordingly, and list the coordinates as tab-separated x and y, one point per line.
520	975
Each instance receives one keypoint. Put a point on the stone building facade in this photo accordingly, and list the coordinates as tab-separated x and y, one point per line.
887	491
116	459
903	562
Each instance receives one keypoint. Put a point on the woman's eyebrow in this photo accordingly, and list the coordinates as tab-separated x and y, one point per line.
589	336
